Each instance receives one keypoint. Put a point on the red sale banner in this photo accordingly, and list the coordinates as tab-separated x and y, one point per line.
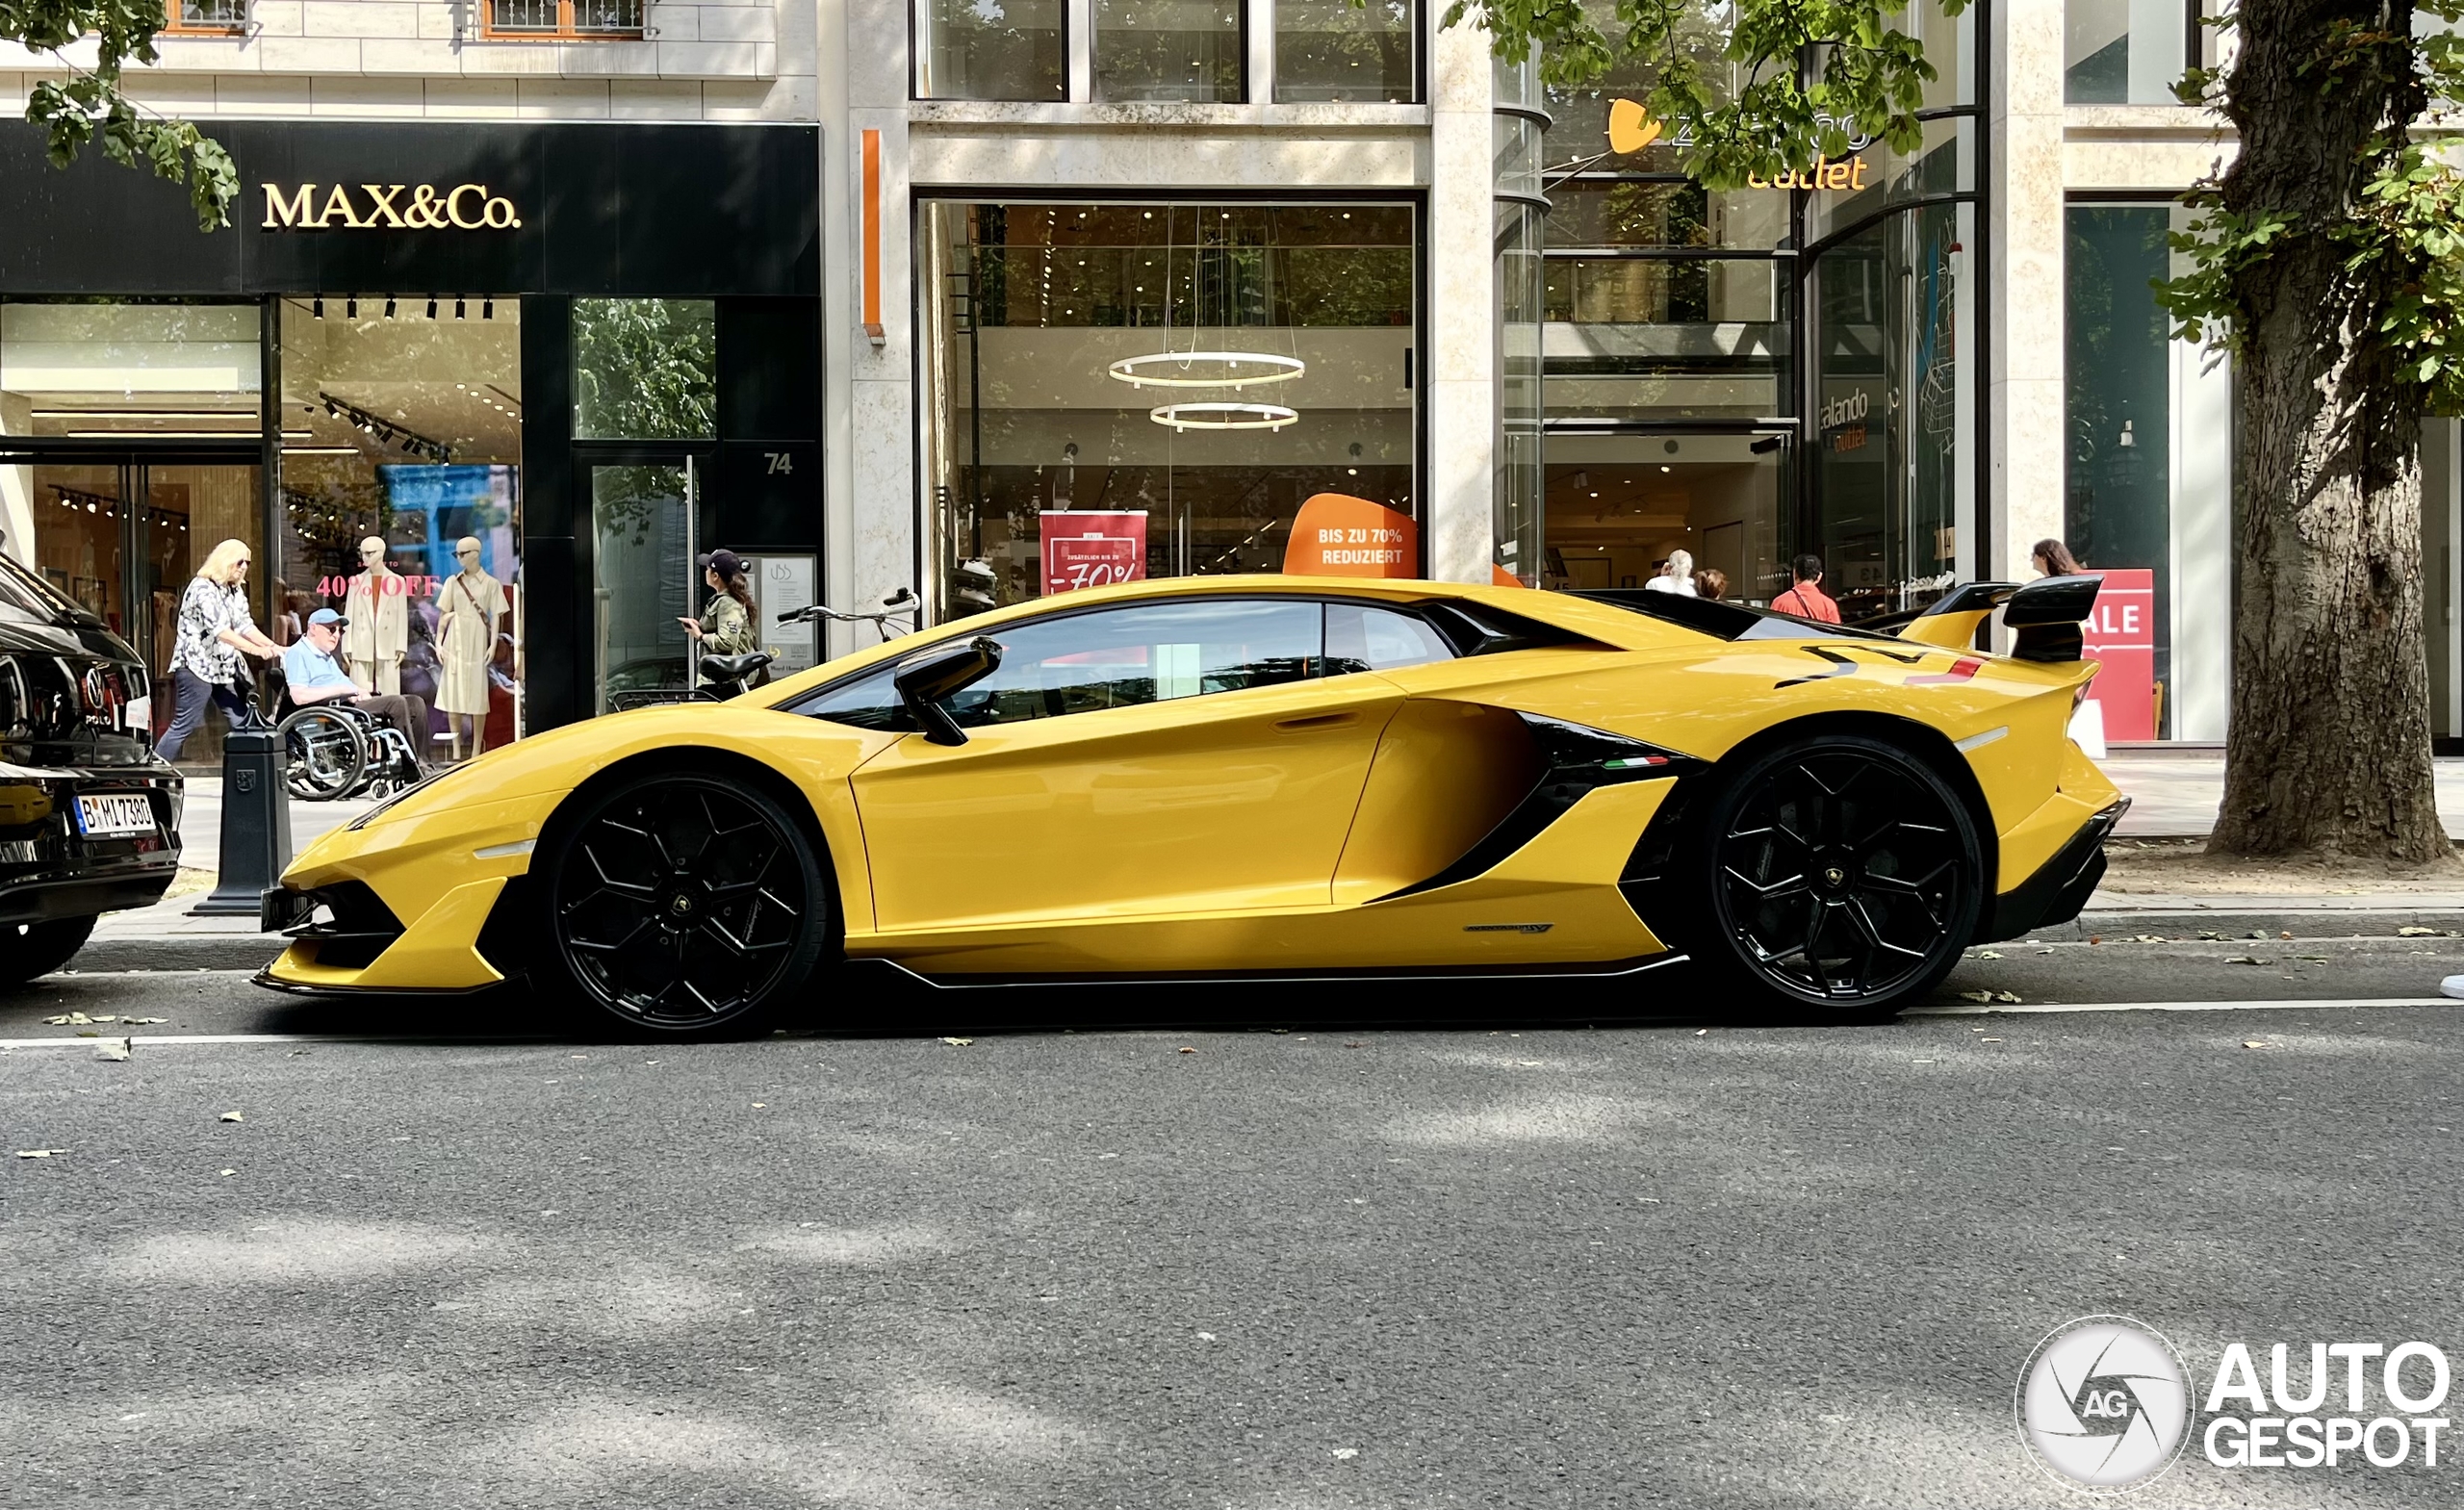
1093	549
2121	636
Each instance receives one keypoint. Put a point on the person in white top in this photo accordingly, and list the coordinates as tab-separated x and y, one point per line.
1679	578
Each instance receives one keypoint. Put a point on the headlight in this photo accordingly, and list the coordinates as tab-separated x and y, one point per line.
420	785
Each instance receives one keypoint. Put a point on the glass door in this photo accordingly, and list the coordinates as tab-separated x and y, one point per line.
645	530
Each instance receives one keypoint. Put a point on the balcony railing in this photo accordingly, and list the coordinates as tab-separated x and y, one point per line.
608	20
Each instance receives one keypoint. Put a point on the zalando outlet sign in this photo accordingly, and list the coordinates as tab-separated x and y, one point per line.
404	207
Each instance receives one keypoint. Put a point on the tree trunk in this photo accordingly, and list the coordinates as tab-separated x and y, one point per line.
2329	751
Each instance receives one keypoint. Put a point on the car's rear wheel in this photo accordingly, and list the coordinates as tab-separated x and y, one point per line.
27	950
684	904
1840	876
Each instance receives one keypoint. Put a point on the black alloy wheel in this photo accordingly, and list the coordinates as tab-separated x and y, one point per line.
1846	876
683	904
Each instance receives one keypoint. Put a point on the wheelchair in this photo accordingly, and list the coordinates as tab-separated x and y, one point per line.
331	751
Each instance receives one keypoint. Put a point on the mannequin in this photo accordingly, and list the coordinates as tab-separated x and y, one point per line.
380	621
468	607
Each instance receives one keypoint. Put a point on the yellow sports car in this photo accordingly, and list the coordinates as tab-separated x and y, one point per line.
1262	775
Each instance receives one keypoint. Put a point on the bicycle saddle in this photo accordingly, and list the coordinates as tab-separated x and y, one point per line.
734	668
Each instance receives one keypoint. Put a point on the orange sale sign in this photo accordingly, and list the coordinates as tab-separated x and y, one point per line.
1338	535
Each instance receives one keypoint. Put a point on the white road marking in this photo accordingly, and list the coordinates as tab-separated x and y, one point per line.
166	1039
1990	1008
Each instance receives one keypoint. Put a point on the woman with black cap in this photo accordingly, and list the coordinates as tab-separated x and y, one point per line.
726	627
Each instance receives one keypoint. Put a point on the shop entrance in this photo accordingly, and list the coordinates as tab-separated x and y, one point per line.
123	532
1621	505
646	518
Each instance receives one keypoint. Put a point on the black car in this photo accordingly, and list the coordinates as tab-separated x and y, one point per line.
90	818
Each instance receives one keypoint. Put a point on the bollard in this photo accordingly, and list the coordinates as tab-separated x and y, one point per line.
256	820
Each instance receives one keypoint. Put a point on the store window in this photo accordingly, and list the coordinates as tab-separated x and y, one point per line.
402	439
1621	507
618	20
131	432
1186	51
990	50
1157	386
2125	52
1334	51
645	370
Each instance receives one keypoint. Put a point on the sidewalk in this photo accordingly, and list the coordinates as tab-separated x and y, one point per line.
2175	795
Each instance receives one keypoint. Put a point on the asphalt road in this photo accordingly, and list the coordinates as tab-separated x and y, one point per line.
1658	1261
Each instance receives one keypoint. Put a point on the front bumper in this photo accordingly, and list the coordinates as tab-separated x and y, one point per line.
2060	886
50	869
400	906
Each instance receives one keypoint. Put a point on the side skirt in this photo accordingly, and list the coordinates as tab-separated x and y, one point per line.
1604	969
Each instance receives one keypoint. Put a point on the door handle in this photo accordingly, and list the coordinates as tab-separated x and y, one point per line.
1303	725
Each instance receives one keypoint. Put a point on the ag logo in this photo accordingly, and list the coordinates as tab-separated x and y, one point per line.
2104	1404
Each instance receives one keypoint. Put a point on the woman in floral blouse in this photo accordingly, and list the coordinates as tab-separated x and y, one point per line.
215	632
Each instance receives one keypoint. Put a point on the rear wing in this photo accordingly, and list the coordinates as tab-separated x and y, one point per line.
2043	615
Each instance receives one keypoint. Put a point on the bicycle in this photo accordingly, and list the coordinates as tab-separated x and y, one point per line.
899	605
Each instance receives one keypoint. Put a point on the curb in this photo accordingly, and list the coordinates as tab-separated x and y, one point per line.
2121	925
177	952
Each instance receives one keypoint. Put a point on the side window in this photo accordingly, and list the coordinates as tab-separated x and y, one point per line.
1152	654
869	701
1360	637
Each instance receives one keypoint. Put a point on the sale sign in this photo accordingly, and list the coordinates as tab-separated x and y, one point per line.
1338	535
2120	635
1090	548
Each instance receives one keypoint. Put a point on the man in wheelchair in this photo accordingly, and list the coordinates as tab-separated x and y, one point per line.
326	705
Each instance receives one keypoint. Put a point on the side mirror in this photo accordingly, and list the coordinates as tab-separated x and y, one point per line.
924	681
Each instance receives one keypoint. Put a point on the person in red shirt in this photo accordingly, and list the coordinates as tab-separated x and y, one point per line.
1806	599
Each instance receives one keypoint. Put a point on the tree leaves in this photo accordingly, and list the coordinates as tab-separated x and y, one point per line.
88	108
1805	71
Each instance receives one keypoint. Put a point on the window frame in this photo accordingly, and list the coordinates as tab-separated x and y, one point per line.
1242	93
964	629
565	29
1068	51
177	25
1417	32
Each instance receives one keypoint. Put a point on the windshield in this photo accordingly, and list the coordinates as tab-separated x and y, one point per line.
24	591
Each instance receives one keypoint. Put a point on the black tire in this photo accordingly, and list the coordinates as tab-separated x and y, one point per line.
683	904
1835	878
323	755
27	950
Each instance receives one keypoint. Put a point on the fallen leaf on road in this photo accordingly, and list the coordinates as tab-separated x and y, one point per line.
1347	1454
1989	954
103	1019
228	1173
39	1153
2312	958
958	1043
2044	950
1988	1040
1206	1337
2408	933
2285	935
75	1019
2151	938
2209	932
112	1050
1976	996
2254	935
1699	1031
2256	1043
2248	959
2005	996
1187	1050
134	1020
231	1116
760	1105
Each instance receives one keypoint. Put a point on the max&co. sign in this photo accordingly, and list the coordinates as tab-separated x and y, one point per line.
465	207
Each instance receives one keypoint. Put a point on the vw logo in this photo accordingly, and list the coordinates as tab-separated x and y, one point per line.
2104	1404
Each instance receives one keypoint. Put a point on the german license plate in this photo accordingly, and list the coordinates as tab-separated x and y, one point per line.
115	815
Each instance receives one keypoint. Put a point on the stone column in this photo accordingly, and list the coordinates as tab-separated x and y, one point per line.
1461	320
2024	399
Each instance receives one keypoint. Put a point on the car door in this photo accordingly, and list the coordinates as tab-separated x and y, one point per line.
1186	756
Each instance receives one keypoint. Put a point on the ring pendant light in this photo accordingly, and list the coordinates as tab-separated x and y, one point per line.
1223	414
1206	369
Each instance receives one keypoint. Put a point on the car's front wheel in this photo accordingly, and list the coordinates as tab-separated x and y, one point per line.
1839	874
683	904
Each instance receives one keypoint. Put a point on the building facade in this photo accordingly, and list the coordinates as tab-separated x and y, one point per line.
955	297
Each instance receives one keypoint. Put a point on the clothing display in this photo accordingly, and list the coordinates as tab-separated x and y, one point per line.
470	605
379	636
